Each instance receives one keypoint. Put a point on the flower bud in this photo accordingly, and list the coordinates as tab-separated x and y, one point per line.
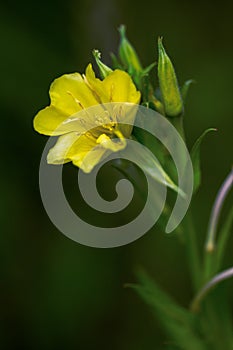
169	88
104	70
128	54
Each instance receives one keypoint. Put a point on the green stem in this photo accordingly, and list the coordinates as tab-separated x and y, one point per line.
177	122
193	255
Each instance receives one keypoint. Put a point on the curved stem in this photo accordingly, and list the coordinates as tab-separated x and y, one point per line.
208	286
212	229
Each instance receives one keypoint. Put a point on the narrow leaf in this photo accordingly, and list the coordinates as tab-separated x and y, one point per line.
148	68
195	156
179	323
104	70
185	88
152	167
115	62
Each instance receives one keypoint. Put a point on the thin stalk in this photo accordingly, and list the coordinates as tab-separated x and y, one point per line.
214	218
223	238
178	124
226	274
210	245
193	255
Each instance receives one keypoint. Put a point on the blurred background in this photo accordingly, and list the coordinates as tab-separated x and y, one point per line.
55	293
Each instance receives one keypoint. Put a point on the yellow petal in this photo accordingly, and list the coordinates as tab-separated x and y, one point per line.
70	94
82	150
48	119
105	146
96	85
121	87
113	145
91	159
60	153
116	87
84	120
86	153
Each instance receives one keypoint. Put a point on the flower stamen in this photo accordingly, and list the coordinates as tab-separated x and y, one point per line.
75	99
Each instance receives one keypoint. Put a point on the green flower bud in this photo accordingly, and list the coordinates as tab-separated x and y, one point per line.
169	88
104	70
128	54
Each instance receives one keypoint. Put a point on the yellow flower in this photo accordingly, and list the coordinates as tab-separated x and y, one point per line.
81	133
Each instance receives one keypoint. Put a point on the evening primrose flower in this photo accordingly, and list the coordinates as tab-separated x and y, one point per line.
85	138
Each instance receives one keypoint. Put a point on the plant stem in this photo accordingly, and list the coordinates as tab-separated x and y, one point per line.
210	247
208	286
193	255
177	122
218	204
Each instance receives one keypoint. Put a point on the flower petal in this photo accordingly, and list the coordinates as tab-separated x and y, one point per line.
86	153
113	145
91	159
59	154
48	119
82	150
96	85
121	87
70	94
84	120
116	87
105	146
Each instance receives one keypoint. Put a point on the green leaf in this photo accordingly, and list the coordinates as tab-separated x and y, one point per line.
149	164
185	88
179	324
216	317
195	156
147	70
115	62
150	141
104	70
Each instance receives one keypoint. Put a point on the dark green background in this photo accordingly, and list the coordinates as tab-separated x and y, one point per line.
55	293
